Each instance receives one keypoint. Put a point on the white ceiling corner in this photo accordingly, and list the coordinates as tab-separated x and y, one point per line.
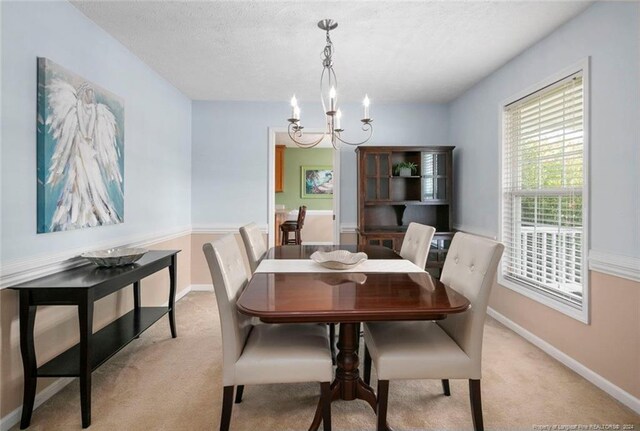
396	51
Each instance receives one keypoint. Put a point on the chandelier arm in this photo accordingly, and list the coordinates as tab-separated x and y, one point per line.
300	134
367	127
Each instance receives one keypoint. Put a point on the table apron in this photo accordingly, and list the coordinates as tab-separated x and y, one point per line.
348	319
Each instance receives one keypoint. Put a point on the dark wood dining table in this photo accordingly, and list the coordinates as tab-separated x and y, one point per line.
347	298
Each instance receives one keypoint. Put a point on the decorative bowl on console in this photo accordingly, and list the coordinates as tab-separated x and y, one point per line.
114	256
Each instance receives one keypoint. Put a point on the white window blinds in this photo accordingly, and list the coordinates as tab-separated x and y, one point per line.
542	189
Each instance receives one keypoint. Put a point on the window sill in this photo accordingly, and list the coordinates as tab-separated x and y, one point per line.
579	314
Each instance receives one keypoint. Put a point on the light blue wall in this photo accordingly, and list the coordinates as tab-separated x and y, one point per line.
230	140
608	33
157	129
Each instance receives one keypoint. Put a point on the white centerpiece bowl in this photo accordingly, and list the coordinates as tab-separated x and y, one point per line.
338	259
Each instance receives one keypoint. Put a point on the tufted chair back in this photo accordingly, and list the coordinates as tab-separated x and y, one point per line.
416	243
469	269
254	243
229	278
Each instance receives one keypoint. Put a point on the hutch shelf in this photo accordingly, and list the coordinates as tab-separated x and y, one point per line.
388	202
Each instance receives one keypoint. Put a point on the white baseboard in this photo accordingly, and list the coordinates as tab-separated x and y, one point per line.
615	391
202	287
182	293
13	418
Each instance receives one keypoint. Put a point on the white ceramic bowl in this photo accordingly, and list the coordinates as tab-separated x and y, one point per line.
114	256
338	259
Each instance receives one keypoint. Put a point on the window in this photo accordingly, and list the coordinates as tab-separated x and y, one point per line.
544	195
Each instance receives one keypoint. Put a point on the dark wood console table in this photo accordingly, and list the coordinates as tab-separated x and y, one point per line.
81	287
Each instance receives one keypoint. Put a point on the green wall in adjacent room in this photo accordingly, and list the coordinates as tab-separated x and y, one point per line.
294	158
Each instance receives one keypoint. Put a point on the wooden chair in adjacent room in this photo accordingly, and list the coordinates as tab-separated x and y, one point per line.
262	354
446	349
294	226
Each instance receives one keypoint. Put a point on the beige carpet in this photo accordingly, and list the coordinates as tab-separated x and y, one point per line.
159	383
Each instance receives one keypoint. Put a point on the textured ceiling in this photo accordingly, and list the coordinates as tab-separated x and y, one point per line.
396	51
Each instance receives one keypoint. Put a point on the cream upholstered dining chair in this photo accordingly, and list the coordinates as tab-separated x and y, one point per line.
415	247
416	243
254	244
262	354
447	349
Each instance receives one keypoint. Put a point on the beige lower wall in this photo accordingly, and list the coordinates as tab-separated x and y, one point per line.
348	238
56	328
609	345
317	228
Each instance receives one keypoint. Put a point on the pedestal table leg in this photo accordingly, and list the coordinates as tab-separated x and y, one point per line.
347	385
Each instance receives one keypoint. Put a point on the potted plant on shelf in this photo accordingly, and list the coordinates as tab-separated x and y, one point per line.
405	169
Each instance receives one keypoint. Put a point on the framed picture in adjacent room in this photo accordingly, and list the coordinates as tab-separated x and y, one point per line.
317	182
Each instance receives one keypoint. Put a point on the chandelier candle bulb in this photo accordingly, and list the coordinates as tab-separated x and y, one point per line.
332	99
338	117
294	105
296	112
366	104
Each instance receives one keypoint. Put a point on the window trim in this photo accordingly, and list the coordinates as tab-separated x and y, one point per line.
581	314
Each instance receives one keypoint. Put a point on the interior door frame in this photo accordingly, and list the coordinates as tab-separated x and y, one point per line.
271	188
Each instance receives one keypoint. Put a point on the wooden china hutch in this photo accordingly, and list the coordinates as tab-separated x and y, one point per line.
388	202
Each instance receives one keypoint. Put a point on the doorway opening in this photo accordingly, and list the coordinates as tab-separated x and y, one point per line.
303	176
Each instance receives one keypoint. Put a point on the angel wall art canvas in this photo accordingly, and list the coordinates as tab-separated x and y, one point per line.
80	134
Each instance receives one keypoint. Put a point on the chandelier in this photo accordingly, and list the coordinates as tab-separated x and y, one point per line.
329	99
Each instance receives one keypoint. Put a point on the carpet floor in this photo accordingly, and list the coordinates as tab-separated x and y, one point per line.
160	383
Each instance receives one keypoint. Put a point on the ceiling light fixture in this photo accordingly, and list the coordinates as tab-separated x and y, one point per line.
333	115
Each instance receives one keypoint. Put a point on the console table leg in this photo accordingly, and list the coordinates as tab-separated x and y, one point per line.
28	351
85	317
136	297
136	294
172	295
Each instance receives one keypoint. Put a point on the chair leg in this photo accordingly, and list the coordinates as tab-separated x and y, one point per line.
383	400
227	405
445	387
367	366
325	396
476	404
239	391
332	341
285	236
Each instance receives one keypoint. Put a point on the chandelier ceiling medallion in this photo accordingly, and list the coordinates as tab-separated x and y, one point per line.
328	93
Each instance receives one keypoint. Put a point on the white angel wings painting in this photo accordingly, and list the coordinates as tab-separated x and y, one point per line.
80	152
